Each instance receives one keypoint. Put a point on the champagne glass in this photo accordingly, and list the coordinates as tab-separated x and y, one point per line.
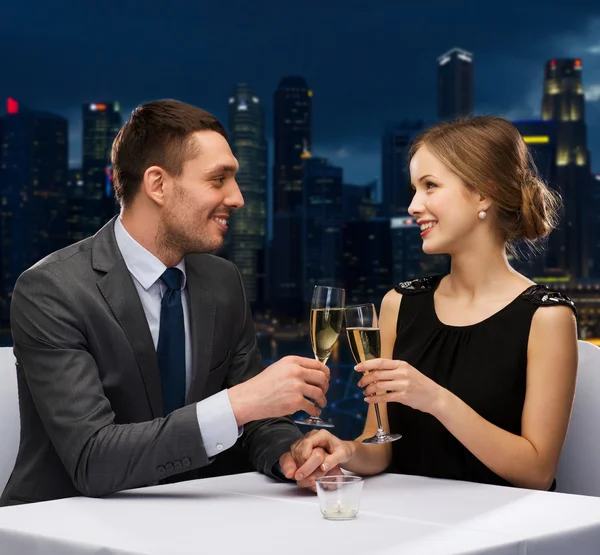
362	328
326	316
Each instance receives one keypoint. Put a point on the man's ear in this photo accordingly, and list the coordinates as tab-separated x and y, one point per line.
153	184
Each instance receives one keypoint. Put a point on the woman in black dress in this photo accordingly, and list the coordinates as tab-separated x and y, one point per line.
477	368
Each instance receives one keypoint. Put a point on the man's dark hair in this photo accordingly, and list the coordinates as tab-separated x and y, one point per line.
157	134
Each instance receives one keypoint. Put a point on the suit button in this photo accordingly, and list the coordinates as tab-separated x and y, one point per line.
169	467
177	465
186	462
161	470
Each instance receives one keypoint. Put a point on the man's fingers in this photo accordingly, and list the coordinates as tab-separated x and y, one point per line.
315	444
288	465
311	364
325	369
315	394
310	408
316	440
309	483
316	378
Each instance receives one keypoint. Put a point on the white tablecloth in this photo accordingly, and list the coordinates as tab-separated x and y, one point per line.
250	513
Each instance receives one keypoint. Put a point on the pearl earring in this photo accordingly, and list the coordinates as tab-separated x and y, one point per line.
482	215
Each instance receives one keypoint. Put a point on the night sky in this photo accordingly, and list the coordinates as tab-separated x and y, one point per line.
368	62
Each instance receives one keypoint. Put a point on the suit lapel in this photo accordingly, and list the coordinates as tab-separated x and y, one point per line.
119	291
202	324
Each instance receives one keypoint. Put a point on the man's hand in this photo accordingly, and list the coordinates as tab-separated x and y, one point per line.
281	389
290	469
320	449
315	455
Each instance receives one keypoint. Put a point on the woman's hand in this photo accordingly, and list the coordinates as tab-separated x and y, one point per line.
307	454
397	381
316	454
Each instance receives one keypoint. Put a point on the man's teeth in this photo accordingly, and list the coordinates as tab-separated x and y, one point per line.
428	225
221	220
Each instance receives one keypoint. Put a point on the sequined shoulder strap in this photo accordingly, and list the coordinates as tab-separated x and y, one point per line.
541	295
419	285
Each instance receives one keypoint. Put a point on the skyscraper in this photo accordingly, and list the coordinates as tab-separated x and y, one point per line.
322	225
563	102
367	259
75	203
101	123
293	141
595	226
396	194
286	264
5	335
407	249
246	237
359	202
33	223
293	144
540	137
455	84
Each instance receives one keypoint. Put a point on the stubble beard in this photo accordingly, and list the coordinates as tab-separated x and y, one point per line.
176	238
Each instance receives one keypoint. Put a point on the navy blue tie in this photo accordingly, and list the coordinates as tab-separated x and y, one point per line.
171	342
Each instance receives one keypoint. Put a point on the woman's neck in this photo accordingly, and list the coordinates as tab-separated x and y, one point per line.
476	274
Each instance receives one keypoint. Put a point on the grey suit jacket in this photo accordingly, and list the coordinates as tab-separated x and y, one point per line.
90	397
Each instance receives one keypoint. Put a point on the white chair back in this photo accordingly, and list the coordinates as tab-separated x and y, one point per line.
579	465
10	425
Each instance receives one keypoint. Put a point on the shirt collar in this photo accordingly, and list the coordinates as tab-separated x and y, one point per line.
142	264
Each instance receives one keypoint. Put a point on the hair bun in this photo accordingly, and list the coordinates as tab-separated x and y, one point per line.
539	208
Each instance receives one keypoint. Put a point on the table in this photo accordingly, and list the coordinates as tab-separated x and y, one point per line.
249	513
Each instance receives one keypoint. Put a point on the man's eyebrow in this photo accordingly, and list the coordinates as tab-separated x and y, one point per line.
222	168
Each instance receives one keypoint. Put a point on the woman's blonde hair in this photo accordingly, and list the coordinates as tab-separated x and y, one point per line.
491	158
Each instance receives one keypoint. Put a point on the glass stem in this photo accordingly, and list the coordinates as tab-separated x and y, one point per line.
379	426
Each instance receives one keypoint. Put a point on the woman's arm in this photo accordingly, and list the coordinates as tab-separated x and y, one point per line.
528	460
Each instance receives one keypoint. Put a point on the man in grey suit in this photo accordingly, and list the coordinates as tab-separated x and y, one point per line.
136	356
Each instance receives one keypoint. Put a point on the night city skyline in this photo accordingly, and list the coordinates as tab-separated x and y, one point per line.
198	54
321	105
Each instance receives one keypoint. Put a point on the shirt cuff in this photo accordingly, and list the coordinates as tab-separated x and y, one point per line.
216	420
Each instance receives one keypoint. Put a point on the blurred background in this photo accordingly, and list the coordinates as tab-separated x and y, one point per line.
321	100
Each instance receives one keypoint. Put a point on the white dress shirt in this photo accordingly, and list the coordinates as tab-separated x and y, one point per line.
216	420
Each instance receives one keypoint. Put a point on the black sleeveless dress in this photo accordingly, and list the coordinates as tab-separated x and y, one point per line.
484	364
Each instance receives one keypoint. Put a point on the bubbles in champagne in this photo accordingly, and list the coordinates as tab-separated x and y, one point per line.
364	343
325	327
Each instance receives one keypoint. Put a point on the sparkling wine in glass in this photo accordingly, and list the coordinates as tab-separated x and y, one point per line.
362	328
326	317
